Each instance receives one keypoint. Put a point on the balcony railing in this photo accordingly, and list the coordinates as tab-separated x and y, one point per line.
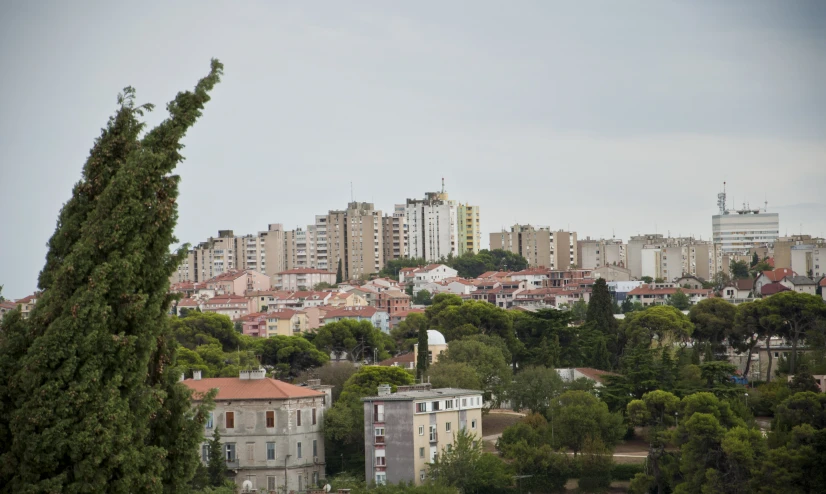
379	439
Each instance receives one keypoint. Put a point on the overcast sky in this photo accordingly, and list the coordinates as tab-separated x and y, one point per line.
603	117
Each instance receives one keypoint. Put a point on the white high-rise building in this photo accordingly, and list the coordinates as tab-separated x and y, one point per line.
432	226
739	230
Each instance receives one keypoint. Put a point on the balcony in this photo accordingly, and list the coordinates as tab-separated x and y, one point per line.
379	439
379	417
434	436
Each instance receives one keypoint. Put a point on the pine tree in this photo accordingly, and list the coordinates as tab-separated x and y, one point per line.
601	358
339	275
600	316
422	359
92	403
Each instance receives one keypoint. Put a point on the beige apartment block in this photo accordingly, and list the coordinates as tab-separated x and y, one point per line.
354	236
470	231
405	430
593	253
394	234
271	431
539	245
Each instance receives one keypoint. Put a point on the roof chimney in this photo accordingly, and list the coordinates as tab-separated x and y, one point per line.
196	374
384	390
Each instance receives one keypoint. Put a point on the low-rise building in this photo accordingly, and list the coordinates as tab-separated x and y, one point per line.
233	306
378	318
6	306
738	290
286	322
405	361
254	325
772	276
405	430
661	293
800	284
823	288
238	282
271	431
770	289
27	304
393	302
302	279
612	273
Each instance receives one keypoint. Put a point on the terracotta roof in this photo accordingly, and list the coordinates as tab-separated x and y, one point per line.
405	313
351	312
533	271
254	316
772	288
8	304
778	274
310	295
230	275
458	280
227	299
282	314
405	358
26	300
595	374
233	388
306	271
823	281
187	302
744	284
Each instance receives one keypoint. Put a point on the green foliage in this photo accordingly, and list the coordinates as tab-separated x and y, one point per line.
334	374
320	286
801	312
578	417
406	333
799	409
422	297
204	328
467	468
739	270
290	355
472	265
489	362
802	382
356	338
679	300
453	375
216	466
578	311
391	270
92	402
423	357
625	471
339	273
647	279
534	388
662	323
357	485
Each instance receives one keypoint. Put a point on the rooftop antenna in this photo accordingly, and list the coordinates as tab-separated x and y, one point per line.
443	185
352	197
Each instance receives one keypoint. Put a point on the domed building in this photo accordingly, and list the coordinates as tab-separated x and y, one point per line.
436	345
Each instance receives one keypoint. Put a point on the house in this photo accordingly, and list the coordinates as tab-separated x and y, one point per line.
689	282
769	289
405	361
271	431
27	304
405	430
368	293
458	286
6	306
265	300
378	318
393	301
432	273
238	282
286	322
533	277
661	293
233	306
398	317
303	299
800	284
536	298
772	276
738	289
620	289
254	325
352	298
382	284
302	279
612	273
598	377
185	303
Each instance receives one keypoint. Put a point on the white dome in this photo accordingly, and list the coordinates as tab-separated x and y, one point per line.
435	338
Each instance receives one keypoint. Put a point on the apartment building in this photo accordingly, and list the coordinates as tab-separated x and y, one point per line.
405	430
432	226
737	231
593	253
238	282
271	431
394	234
470	231
302	279
539	245
320	241
354	237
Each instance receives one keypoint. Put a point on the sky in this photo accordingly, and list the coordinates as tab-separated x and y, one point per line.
603	117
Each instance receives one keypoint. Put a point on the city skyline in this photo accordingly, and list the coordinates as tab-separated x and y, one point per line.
548	114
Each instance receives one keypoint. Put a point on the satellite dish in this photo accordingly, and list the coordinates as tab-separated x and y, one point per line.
246	486
327	488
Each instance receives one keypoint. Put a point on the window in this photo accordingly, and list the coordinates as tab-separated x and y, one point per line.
271	483
315	448
421	475
448	404
421	430
435	406
432	432
421	452
314	417
464	402
270	451
381	478
209	421
421	407
379	433
230	420
380	459
205	452
251	451
473	424
230	451
378	413
315	478
447	426
298	418
298	450
270	419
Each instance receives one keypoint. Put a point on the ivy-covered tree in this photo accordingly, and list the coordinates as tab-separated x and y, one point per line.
92	402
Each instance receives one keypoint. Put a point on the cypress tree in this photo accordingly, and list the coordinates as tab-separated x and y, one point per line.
216	466
92	402
600	316
339	275
422	359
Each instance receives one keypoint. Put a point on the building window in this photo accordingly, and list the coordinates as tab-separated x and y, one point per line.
421	452
432	433
473	424
230	420
421	475
381	478
421	407
435	406
315	448
230	451
205	452
379	433
380	459
448	404
421	430
464	402
270	451
209	421
314	417
271	483
298	418
447	426
298	450
449	448
250	451
315	478
270	419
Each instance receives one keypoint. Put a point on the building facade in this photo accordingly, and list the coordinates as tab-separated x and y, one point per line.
470	230
271	431
302	279
354	237
540	246
405	430
432	227
394	234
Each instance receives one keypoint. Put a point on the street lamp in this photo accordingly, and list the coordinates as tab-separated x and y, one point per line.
286	457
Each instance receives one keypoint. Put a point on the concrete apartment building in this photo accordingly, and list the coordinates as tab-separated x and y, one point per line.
539	245
394	234
432	228
302	279
271	431
634	251
596	253
238	282
354	236
405	430
739	230
470	232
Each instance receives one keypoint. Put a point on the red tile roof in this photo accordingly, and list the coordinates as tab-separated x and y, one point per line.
823	281
306	271
772	288
230	275
29	299
778	274
351	312
405	358
187	302
282	314
595	374
8	304
233	388
227	299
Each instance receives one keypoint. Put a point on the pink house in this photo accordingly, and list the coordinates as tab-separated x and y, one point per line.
255	324
233	306
237	282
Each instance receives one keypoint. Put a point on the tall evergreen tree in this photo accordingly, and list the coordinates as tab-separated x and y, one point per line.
600	316
422	359
339	274
216	466
92	402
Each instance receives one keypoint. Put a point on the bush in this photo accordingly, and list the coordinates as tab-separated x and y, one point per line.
626	471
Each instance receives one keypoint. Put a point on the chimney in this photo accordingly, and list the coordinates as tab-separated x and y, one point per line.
384	390
196	374
252	374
